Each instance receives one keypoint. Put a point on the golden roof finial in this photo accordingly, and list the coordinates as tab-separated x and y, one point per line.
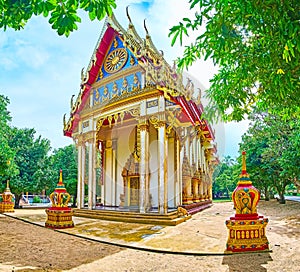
147	32
127	13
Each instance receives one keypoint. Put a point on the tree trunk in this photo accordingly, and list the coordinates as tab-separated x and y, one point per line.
281	198
267	194
17	200
74	201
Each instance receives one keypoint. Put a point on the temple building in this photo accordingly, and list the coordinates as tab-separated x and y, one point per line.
142	144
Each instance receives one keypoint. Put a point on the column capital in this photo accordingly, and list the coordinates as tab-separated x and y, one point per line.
143	124
143	127
79	141
90	136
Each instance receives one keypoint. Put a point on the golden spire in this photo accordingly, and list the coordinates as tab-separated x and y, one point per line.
244	176
7	189
60	177
244	170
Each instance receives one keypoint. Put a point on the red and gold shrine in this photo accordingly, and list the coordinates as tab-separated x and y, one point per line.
246	227
59	216
7	200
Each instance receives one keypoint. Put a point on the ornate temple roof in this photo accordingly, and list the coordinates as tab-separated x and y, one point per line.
158	73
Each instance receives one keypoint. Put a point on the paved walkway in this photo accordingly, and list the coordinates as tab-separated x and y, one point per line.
204	233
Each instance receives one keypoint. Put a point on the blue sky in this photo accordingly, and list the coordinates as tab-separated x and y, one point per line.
40	71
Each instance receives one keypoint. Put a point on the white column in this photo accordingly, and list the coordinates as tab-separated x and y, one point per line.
101	149
114	178
162	169
187	145
108	191
144	168
171	164
181	155
91	164
198	146
80	177
178	174
82	174
194	152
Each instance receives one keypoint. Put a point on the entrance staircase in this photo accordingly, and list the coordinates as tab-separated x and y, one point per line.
170	219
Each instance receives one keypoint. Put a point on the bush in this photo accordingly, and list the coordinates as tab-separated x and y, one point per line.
36	199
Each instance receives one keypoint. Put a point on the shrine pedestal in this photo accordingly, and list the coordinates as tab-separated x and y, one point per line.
247	234
247	229
7	207
59	218
7	200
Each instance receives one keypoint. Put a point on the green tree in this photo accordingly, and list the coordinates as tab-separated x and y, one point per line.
31	160
272	145
282	152
255	44
7	154
255	145
63	14
225	177
65	158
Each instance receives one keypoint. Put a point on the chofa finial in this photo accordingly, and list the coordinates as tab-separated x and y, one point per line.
127	13
145	27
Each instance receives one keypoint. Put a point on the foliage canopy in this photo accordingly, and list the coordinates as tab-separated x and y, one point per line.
7	165
255	44
273	146
62	14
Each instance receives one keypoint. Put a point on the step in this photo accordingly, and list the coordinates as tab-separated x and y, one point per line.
130	217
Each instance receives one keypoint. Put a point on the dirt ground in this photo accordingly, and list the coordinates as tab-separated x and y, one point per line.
27	247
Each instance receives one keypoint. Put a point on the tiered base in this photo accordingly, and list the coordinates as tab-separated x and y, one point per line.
59	218
197	207
7	207
247	234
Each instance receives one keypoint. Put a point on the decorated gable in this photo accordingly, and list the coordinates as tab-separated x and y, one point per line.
117	88
118	58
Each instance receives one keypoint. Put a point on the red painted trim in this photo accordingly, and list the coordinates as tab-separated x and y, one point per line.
195	110
186	109
106	40
208	128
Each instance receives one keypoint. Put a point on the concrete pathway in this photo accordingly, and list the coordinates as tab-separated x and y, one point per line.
204	233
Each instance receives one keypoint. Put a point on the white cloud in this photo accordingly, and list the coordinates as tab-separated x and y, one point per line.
31	56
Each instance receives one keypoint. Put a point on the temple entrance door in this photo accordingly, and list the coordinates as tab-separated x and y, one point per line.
134	193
